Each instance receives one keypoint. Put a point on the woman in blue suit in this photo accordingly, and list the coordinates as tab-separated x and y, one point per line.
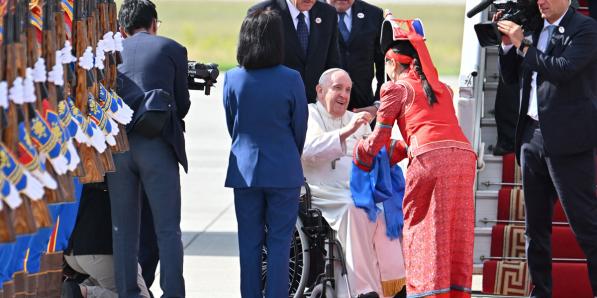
266	113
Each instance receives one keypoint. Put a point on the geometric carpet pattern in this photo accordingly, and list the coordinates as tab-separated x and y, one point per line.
507	272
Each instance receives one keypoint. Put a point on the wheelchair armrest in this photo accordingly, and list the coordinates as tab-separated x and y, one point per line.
305	196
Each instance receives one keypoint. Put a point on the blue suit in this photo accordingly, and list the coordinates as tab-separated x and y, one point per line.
266	113
152	78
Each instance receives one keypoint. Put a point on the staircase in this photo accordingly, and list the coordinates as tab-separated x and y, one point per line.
499	201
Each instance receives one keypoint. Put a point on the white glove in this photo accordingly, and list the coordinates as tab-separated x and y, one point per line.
45	178
66	54
98	139
12	198
80	136
118	42
56	75
34	188
109	44
39	71
3	94
29	95
59	163
16	92
74	156
86	61
114	125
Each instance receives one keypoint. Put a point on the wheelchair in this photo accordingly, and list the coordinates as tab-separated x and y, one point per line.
313	252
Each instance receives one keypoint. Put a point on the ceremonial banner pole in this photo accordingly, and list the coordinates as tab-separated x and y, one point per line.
93	166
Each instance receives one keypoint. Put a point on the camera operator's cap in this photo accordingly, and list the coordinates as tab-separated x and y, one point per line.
394	30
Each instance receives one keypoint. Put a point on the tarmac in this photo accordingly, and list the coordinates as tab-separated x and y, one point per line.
209	230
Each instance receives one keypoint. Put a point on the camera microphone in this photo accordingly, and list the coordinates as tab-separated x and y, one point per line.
479	8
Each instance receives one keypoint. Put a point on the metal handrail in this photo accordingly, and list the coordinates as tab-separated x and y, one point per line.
489	183
482	258
517	222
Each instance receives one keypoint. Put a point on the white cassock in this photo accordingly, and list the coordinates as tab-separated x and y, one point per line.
374	262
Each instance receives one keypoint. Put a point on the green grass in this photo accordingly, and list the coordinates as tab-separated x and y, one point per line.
209	29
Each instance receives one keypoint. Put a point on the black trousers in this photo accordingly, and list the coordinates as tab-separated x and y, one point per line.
506	114
593	9
570	178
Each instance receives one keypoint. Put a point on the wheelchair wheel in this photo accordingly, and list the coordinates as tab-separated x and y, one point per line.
319	290
299	261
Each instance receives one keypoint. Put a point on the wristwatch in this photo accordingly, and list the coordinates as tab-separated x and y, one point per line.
525	43
377	104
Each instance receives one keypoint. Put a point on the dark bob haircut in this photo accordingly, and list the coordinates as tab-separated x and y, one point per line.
136	14
261	42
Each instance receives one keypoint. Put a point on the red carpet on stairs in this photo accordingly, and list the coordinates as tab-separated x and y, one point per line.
510	170
511	206
509	241
583	7
506	276
570	280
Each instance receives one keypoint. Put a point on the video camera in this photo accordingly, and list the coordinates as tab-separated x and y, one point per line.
522	12
208	73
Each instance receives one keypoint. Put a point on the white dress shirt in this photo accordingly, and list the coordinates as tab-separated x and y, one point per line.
347	18
294	12
542	43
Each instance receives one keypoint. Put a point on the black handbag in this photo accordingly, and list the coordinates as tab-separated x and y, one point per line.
154	113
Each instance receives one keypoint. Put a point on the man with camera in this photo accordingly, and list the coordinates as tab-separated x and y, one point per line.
556	133
152	80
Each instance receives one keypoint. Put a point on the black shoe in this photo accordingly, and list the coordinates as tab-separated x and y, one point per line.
401	294
369	295
71	289
501	150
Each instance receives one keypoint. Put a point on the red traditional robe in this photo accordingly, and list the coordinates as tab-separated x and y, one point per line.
438	202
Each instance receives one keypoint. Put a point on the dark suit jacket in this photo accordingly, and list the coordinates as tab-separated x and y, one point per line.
92	234
266	113
153	76
322	53
362	52
566	85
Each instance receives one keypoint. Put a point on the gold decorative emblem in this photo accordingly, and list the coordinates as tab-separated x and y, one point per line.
39	128
3	159
56	131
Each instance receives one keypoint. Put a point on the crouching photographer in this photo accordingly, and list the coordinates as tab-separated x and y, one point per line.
556	66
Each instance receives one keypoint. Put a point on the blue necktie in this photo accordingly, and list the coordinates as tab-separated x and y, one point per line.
342	27
545	42
550	29
302	32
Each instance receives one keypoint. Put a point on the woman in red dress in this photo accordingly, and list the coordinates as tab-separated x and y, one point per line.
438	201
